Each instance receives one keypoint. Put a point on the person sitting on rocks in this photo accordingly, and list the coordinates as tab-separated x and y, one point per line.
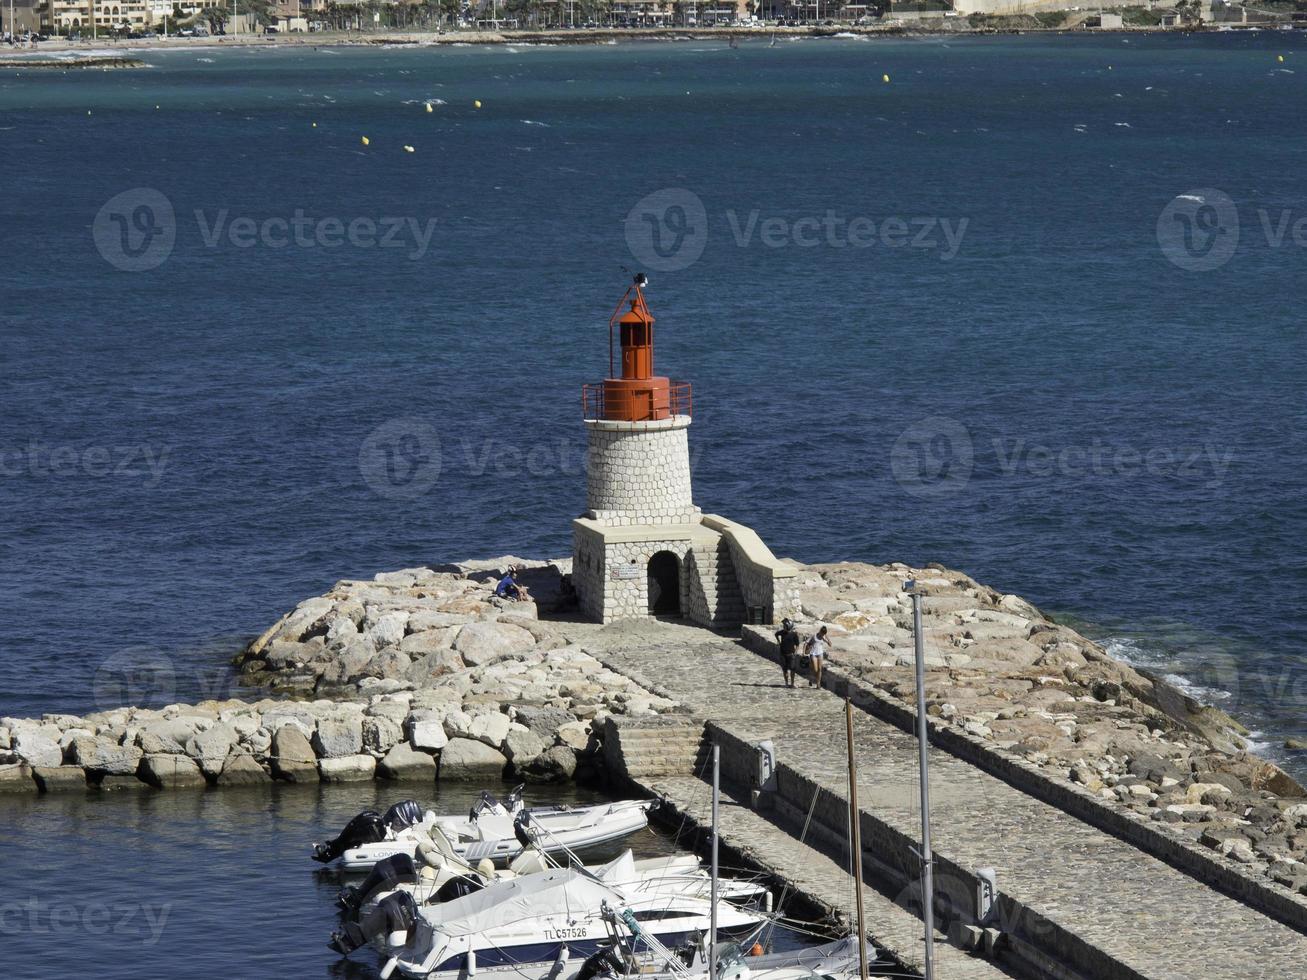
510	588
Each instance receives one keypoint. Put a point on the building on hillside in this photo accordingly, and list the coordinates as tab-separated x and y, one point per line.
643	548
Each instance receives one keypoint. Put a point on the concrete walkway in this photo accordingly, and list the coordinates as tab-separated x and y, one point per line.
1103	906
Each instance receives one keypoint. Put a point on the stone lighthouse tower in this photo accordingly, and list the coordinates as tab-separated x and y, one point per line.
642	547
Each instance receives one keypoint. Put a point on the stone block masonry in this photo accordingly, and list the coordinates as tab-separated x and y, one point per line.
639	473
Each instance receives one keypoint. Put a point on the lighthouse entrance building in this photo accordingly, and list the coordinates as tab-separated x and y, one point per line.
642	548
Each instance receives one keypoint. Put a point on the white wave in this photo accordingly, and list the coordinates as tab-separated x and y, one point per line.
205	61
533	122
1208	695
1257	743
1191	197
1124	125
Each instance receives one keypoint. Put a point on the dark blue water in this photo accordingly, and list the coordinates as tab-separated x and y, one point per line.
1057	408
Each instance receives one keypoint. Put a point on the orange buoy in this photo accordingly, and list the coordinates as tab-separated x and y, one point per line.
756	950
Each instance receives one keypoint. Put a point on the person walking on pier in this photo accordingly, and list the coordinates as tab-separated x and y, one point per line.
816	650
787	638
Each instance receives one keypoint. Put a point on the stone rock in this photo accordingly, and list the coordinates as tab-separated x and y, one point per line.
102	755
555	764
1210	793
491	729
17	778
171	771
37	747
380	733
210	748
427	641
165	735
575	735
241	769
293	758
465	759
543	721
522	746
483	643
426	620
389	664
292	654
347	769
426	729
425	669
406	764
1273	779
52	779
338	737
386	629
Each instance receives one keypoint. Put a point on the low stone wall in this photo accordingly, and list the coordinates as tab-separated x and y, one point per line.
765	583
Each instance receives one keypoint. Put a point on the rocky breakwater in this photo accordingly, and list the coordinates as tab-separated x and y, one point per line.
415	675
1003	673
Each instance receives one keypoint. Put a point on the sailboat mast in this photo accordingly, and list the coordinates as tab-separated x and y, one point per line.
855	840
712	914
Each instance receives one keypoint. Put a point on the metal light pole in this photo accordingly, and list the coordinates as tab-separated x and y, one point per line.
712	914
927	860
855	841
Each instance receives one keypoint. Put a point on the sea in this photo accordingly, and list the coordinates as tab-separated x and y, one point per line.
1026	306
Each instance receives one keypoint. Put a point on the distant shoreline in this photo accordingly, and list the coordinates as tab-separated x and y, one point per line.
19	56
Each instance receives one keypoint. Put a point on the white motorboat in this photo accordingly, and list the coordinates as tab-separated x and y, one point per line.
549	917
435	878
493	830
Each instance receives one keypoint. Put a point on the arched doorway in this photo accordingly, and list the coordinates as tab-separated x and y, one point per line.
664	584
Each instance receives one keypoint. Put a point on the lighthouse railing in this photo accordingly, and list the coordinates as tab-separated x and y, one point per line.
680	402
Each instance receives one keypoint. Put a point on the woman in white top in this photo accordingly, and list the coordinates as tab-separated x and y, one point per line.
817	648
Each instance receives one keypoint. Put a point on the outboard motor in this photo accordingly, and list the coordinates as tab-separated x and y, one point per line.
404	814
392	919
606	961
386	875
457	887
366	828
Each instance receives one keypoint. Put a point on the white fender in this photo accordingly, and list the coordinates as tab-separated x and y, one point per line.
389	968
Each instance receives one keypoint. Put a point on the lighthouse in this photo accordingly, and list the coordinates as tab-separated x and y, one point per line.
642	548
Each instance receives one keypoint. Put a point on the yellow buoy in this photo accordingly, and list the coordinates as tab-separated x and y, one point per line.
407	148
430	107
884	78
476	104
1280	58
315	125
365	141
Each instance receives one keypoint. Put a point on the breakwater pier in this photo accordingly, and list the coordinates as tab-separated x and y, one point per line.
1073	900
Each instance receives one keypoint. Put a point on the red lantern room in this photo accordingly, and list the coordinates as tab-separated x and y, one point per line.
637	395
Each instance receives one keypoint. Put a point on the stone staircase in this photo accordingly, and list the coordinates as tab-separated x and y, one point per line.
652	746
